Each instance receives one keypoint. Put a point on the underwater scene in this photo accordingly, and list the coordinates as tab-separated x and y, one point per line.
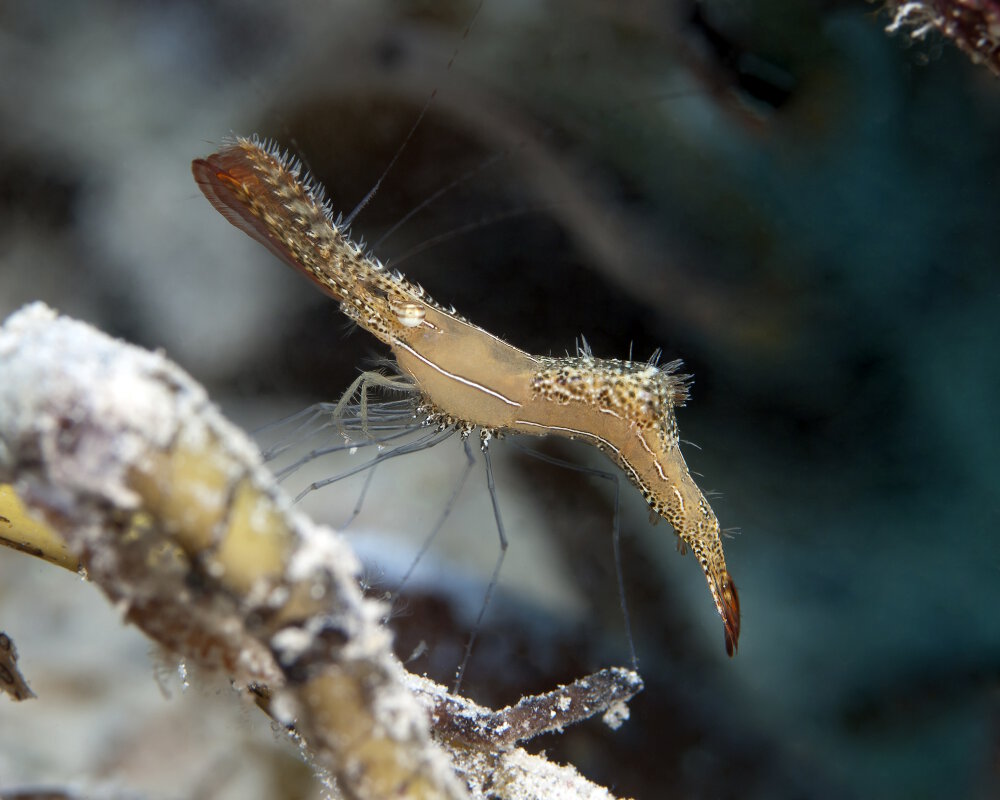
800	202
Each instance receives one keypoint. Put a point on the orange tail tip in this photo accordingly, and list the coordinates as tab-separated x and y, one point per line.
729	600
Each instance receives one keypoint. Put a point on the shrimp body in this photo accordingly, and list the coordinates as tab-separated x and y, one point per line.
467	377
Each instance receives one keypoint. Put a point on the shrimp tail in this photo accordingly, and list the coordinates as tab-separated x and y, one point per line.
265	193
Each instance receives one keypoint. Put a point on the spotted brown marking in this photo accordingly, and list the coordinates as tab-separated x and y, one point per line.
466	377
645	442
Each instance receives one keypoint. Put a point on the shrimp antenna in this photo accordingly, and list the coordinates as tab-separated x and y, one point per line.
422	443
491	485
400	427
470	462
615	530
413	129
486	164
361	499
469	227
433	197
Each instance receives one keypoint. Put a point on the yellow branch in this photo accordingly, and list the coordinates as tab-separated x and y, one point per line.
121	461
126	459
21	531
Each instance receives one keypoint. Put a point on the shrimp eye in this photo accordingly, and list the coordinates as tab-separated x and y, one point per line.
410	315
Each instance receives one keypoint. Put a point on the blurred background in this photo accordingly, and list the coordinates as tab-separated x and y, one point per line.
801	207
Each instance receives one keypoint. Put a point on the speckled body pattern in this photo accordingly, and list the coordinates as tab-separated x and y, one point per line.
466	377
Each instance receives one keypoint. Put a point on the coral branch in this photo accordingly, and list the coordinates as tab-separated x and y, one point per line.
20	531
136	477
459	719
974	25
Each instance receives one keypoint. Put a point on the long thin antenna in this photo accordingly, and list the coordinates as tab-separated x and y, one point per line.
413	129
469	227
484	165
460	673
361	499
615	531
470	462
319	452
455	183
424	442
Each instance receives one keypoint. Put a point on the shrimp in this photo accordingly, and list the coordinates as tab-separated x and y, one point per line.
466	377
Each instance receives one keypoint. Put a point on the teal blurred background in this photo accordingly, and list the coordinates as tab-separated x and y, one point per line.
803	208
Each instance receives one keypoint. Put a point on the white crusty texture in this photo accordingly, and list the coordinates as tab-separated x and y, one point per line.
45	361
79	411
